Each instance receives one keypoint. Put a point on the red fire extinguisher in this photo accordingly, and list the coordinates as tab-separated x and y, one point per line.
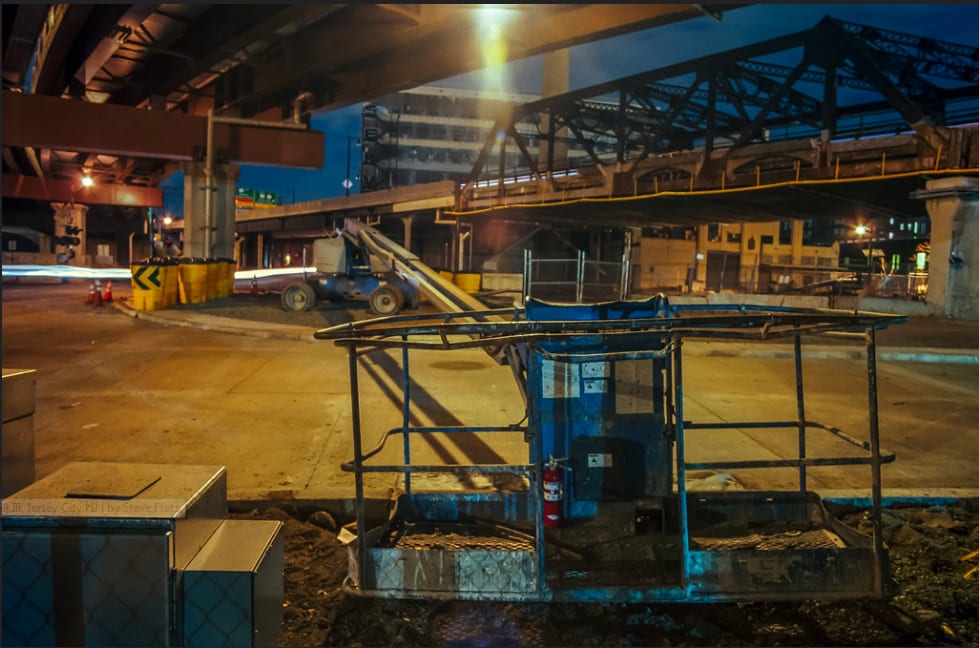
553	493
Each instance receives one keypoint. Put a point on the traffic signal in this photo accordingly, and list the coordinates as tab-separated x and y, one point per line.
67	240
72	230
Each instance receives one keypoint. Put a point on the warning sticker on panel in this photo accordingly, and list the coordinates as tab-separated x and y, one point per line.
560	379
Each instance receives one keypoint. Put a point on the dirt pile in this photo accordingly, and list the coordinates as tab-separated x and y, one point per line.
933	568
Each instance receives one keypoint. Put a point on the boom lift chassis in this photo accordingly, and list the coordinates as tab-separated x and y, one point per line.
603	384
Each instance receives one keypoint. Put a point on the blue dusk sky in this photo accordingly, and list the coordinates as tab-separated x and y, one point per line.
606	60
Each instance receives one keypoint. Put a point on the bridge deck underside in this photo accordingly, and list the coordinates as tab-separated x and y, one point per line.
878	197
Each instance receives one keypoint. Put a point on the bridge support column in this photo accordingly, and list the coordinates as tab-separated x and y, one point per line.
260	250
74	215
700	261
214	235
556	81
407	221
240	253
953	268
798	228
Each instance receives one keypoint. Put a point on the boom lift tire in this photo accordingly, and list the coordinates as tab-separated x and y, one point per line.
298	297
387	299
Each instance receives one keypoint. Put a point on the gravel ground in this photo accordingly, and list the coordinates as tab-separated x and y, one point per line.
933	567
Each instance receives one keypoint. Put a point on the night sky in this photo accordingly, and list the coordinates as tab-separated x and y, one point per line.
609	59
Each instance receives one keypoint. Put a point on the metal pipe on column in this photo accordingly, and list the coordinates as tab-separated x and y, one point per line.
208	184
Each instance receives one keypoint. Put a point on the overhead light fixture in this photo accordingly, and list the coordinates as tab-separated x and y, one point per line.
87	181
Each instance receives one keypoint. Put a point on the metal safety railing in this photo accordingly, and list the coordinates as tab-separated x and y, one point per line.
633	337
574	279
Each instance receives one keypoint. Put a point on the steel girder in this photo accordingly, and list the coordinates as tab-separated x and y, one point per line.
849	80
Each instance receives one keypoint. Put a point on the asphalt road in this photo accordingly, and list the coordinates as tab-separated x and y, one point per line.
276	412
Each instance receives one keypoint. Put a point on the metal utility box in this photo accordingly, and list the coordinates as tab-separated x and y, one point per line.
92	552
232	589
17	469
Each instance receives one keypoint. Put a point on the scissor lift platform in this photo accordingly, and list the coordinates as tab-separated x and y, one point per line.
633	538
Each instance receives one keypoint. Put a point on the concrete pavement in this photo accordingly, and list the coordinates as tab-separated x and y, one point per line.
921	339
273	406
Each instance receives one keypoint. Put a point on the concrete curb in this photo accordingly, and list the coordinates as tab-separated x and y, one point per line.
695	348
228	325
894	354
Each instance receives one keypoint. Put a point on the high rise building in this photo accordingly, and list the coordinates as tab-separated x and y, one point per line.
429	134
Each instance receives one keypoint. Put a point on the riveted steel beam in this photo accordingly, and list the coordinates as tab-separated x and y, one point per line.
37	188
49	122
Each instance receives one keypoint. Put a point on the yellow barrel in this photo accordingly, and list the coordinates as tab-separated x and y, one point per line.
213	271
227	286
171	284
468	281
192	277
445	274
147	295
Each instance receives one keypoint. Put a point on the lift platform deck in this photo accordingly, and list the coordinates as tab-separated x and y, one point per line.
604	390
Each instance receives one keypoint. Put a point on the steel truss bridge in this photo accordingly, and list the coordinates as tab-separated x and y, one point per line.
800	116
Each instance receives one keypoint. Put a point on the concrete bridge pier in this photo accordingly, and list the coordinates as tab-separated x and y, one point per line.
209	236
72	214
953	272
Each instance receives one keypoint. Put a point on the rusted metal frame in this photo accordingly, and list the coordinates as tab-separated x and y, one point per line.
620	134
50	122
805	104
801	408
710	61
930	48
735	97
676	107
829	101
584	141
866	64
358	466
354	327
647	354
518	140
666	92
483	157
813	76
708	327
773	100
876	460
406	412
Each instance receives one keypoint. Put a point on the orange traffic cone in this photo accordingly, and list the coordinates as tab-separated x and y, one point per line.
98	292
91	294
107	295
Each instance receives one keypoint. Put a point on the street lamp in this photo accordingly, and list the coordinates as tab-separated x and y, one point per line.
347	182
862	230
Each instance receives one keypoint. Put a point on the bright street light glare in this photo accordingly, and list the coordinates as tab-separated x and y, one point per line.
861	230
87	181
